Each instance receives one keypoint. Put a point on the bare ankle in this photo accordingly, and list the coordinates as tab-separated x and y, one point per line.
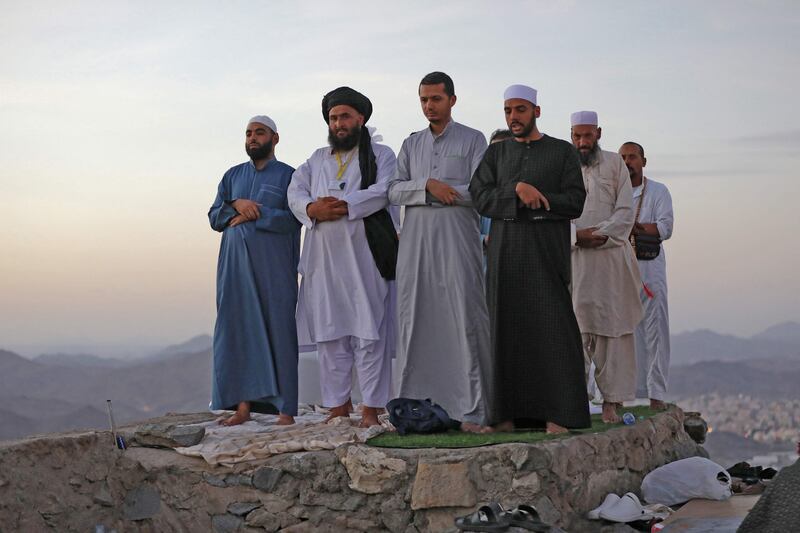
285	420
507	425
555	429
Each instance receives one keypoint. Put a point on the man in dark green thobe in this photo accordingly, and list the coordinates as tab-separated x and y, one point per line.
531	187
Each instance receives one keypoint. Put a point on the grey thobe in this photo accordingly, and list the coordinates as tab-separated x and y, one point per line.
443	326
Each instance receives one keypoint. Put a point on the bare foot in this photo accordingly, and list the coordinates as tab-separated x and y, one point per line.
657	405
506	426
241	415
555	429
610	415
471	427
284	420
340	411
369	417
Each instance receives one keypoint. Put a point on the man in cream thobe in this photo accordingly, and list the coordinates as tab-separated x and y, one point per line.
443	324
652	333
606	282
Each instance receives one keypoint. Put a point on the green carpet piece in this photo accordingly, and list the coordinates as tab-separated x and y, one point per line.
459	439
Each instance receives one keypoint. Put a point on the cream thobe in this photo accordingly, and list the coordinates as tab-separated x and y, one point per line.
606	284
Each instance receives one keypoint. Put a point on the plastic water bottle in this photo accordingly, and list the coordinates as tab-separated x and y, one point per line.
628	419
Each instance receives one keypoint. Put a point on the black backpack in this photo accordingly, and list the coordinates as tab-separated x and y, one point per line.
419	416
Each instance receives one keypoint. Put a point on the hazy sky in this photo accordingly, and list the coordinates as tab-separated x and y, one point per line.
118	120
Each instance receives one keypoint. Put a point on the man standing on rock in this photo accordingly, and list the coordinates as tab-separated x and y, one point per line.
349	256
443	325
531	187
653	205
606	283
255	339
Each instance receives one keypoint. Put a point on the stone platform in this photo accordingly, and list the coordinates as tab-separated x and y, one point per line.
78	481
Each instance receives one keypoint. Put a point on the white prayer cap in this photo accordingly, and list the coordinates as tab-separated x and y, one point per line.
580	118
265	120
520	91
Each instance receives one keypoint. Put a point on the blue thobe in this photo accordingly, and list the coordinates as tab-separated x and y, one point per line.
255	336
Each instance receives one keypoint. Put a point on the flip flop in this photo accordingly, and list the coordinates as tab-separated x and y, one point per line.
526	517
489	517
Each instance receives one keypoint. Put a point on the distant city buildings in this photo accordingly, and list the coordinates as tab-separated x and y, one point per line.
774	422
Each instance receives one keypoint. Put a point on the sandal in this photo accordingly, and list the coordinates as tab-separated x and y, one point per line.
489	517
526	517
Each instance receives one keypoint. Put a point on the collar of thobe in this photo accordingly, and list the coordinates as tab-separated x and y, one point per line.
343	162
444	131
526	143
270	160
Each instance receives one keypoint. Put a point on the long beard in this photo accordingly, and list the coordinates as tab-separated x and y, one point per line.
588	158
526	130
345	143
262	152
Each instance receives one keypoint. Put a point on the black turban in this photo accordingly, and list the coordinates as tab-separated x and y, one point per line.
346	96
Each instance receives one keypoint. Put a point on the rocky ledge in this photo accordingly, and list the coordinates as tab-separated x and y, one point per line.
79	482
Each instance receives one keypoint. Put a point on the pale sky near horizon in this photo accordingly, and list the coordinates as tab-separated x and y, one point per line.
119	118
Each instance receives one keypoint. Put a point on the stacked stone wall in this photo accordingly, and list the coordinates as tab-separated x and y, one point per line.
77	482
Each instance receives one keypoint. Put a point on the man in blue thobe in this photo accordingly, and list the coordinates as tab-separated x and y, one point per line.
255	336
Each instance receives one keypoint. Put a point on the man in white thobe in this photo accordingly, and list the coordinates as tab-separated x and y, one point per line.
605	276
443	325
653	203
349	256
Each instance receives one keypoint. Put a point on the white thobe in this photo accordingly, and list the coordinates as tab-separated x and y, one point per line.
652	333
342	294
443	325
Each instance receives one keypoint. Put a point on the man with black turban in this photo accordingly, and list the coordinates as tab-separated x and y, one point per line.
349	255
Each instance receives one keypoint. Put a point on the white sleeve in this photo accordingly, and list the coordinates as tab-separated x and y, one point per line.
299	194
364	202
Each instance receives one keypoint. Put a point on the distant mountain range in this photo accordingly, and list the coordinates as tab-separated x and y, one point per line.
61	392
778	342
57	392
765	365
765	378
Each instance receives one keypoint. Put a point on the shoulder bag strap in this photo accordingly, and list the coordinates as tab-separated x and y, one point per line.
638	210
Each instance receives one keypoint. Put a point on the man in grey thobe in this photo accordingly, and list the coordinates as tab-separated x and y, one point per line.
443	324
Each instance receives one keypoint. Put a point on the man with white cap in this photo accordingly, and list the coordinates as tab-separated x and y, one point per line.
653	205
531	188
605	276
255	339
349	256
443	325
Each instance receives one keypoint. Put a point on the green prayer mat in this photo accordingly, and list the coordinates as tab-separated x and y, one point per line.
459	439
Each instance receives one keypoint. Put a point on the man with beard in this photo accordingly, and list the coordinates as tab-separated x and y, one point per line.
255	340
443	325
349	256
606	282
653	205
531	187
